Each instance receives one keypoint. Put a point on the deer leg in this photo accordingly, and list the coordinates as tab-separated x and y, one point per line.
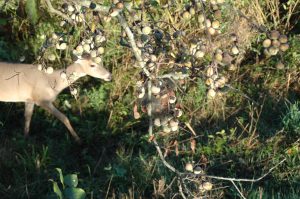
54	111
28	114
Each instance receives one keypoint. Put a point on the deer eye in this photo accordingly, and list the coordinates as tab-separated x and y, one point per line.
93	65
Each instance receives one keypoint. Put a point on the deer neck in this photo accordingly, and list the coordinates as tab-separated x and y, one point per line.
73	73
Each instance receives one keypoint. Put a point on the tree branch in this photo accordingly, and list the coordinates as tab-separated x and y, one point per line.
57	12
135	49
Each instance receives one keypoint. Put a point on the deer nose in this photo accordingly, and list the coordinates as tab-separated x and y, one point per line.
108	77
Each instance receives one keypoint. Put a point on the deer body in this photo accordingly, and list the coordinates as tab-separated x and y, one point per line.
25	83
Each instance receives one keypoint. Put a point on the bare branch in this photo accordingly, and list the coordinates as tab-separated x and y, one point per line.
247	180
135	49
180	189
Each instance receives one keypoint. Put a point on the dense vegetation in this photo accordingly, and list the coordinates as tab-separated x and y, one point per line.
241	129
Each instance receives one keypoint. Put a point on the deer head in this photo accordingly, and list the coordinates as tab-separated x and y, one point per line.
91	68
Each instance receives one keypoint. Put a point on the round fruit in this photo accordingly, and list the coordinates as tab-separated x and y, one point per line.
274	34
215	24
211	31
235	50
199	54
211	93
146	30
51	57
186	15
273	50
280	65
283	39
49	70
267	43
201	18
155	90
276	43
208	23
207	186
189	167
284	47
218	57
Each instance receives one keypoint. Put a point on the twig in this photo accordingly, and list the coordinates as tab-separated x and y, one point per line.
163	159
54	11
238	189
149	108
246	180
107	192
180	188
135	49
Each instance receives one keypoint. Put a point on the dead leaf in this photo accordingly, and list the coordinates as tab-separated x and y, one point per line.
193	145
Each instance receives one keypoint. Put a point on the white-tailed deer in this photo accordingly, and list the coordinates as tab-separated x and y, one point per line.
25	83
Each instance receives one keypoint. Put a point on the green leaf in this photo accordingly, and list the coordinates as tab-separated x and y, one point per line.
31	10
71	180
61	177
3	22
57	190
74	193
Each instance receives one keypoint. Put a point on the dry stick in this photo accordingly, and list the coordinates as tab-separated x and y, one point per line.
54	11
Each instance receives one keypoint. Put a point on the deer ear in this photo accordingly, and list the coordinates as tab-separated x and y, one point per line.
74	57
86	56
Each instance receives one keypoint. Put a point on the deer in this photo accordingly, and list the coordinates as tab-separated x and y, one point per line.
25	83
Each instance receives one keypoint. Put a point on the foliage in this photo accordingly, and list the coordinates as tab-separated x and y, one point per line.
31	10
291	120
69	187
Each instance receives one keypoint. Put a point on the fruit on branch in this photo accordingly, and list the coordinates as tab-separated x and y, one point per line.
186	15
63	75
211	94
157	122
198	170
216	24
280	65
275	43
283	39
274	34
218	57
189	167
267	43
49	70
273	50
201	18
235	50
51	57
155	90
284	47
206	186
